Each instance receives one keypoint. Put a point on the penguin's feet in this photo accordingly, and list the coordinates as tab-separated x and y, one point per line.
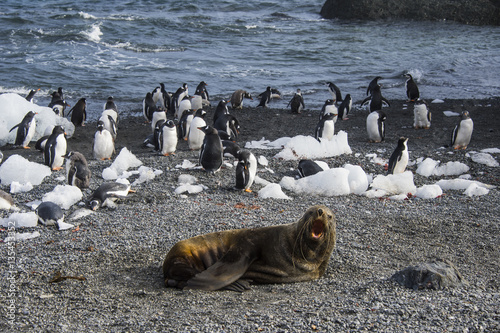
56	168
26	147
248	190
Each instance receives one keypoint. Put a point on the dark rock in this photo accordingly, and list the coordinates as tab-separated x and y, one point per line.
434	275
478	12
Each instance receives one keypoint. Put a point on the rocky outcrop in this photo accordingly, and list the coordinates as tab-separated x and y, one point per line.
476	12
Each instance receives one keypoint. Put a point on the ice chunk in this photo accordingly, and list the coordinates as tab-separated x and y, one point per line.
20	220
475	190
64	196
263	160
16	187
273	191
307	147
17	168
430	167
429	191
397	184
124	161
484	158
331	182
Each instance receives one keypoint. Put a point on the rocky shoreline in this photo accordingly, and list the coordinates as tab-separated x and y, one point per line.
117	254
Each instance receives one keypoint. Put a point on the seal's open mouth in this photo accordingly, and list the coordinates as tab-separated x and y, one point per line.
318	227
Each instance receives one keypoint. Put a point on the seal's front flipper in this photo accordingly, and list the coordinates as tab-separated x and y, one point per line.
224	274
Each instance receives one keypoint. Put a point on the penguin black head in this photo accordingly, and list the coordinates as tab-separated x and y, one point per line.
208	130
465	115
94	204
58	130
200	113
100	125
171	123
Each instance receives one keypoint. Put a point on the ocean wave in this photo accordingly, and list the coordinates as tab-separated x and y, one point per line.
87	16
142	48
94	34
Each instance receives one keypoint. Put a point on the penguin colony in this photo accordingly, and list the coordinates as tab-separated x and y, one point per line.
179	116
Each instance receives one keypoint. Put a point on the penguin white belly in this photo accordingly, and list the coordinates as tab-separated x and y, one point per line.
328	130
372	127
30	134
421	119
60	151
169	142
158	116
252	171
400	166
464	134
196	102
185	104
196	136
103	145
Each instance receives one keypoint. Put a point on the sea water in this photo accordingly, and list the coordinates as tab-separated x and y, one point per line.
96	49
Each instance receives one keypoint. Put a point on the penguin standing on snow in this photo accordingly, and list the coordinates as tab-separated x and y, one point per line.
211	151
148	107
55	149
196	136
308	168
411	88
107	193
329	108
372	85
399	158
375	126
25	130
265	98
237	98
79	112
297	102
422	115
345	107
376	99
168	138
104	145
246	169
462	133
77	170
335	91
325	128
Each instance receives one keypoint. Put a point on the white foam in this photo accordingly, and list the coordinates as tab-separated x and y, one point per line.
94	34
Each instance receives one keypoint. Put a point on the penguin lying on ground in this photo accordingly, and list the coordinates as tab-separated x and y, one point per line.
308	168
107	193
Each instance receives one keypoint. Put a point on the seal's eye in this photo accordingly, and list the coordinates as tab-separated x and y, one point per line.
330	216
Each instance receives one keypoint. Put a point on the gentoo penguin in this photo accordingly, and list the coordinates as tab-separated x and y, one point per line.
220	110
211	150
185	124
230	148
77	170
422	115
55	148
157	95
57	103
329	108
201	90
345	107
107	193
6	200
335	91
325	128
411	88
237	98
297	102
399	158
376	99
308	168
246	169
49	213
148	107
1	157
462	133
31	94
179	96
109	124
185	104
375	126
196	136
112	113
110	104
25	130
167	102
229	124
79	113
372	85
223	135
265	98
168	138
104	145
40	143
157	115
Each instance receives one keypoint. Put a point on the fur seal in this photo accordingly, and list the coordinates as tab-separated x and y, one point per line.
232	259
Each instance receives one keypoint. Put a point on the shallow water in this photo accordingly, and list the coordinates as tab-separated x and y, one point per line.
124	49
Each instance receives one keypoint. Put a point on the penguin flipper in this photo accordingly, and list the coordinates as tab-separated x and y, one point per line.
386	101
14	127
366	100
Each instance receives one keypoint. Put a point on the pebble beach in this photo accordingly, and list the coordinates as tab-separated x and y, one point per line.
104	275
